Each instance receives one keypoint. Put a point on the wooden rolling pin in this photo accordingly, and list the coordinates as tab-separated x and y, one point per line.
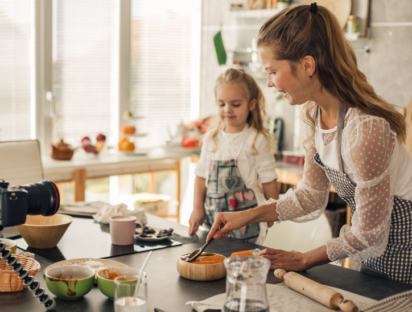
316	291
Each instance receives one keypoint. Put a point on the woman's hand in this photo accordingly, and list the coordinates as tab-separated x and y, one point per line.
196	219
287	260
226	222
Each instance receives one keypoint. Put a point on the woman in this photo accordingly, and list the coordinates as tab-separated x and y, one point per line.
354	143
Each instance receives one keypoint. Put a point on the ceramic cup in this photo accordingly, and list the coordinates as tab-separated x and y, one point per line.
10	244
122	229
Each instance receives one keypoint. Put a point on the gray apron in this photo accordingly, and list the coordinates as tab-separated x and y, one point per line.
396	261
227	192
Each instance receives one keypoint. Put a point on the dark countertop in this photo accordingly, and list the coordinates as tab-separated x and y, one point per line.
166	289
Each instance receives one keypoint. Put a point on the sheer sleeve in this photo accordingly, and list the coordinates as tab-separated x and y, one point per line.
310	198
367	149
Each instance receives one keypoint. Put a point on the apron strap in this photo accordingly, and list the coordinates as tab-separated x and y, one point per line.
340	123
242	141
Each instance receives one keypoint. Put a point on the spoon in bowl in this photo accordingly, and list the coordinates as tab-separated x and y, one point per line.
194	255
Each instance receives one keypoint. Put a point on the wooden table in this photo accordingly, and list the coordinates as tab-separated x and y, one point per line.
83	167
167	290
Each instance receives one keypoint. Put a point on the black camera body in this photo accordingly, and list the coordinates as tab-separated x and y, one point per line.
16	202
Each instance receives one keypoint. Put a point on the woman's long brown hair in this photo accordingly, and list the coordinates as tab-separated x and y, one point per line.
251	91
297	32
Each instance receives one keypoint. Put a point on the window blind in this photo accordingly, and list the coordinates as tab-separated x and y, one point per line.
16	69
85	69
161	51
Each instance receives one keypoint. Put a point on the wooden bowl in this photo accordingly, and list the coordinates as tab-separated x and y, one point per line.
201	272
44	232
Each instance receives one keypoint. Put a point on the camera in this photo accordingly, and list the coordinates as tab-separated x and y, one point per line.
16	202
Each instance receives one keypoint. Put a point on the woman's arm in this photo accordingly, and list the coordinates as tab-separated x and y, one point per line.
295	261
305	203
226	222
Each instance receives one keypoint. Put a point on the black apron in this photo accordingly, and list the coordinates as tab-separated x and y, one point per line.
396	261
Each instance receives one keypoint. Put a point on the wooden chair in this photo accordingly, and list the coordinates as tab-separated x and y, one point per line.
20	163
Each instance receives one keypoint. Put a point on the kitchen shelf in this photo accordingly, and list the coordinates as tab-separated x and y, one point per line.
254	14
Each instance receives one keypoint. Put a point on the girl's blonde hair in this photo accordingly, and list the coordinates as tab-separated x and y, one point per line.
251	91
297	32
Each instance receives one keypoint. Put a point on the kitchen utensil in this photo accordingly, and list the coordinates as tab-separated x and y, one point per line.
44	232
122	230
9	280
316	291
201	272
341	9
70	282
62	151
194	255
91	263
246	284
105	279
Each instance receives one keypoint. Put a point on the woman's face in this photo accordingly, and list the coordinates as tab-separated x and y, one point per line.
296	88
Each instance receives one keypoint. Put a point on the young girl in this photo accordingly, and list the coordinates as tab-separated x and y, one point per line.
355	144
235	158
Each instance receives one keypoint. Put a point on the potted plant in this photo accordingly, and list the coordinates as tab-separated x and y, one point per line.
283	4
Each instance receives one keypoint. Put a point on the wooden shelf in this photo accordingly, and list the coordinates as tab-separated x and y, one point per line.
254	14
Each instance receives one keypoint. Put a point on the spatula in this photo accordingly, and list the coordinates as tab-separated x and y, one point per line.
194	255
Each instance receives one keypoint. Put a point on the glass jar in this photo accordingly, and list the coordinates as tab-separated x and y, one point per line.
246	284
353	25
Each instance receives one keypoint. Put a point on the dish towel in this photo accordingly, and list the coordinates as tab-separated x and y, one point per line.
284	299
397	303
108	211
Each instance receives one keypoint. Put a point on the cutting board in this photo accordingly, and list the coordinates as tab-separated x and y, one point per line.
340	8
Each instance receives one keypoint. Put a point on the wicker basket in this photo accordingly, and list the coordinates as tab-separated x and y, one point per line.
9	281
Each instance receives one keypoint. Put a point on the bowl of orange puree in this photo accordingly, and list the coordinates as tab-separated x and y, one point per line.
208	267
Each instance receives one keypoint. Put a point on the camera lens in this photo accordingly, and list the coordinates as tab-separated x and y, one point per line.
43	198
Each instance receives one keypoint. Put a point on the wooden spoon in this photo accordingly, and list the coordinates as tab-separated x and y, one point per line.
194	255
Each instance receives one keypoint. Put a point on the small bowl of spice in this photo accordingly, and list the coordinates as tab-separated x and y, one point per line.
105	279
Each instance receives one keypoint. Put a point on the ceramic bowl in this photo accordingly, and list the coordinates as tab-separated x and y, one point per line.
70	281
44	232
10	244
201	272
105	279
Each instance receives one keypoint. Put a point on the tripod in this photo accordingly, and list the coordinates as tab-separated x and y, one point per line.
28	281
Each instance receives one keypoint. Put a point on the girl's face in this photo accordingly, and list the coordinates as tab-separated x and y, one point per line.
295	88
233	107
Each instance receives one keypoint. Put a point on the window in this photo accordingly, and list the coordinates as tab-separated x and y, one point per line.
17	69
161	65
85	69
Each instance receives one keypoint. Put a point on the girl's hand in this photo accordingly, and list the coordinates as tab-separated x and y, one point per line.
226	222
289	261
270	224
196	219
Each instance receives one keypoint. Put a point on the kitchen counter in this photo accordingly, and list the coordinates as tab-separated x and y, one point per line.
169	291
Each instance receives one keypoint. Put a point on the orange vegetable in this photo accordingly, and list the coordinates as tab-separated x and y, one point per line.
242	253
209	259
